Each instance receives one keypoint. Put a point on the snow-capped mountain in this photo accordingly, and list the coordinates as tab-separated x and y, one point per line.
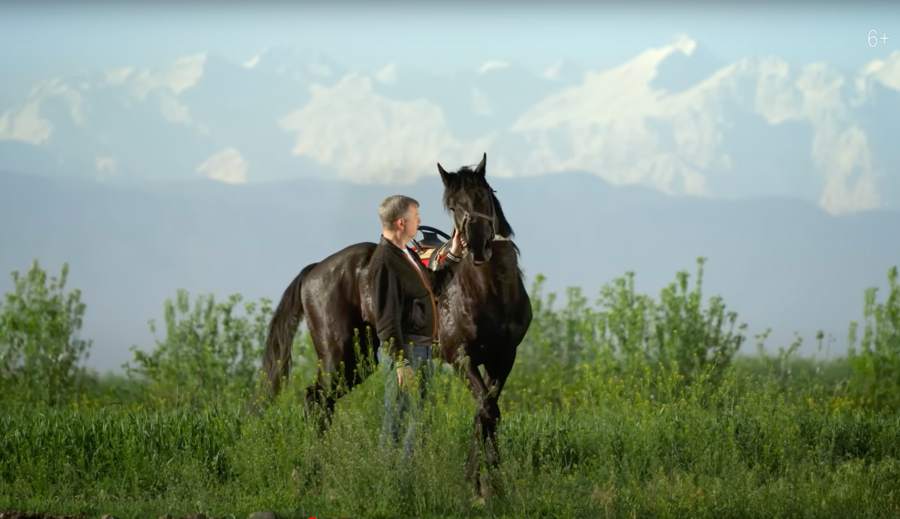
674	118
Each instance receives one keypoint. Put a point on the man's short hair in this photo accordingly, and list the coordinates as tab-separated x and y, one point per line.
393	208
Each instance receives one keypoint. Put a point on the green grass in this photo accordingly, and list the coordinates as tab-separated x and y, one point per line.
702	451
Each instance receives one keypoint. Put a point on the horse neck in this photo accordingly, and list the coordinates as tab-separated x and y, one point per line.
501	270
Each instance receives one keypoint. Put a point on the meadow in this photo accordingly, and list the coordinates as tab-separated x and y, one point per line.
628	406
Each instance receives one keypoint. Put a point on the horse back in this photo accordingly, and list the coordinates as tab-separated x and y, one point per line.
340	279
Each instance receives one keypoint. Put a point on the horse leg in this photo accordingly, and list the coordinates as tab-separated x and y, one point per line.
320	401
338	375
479	391
495	378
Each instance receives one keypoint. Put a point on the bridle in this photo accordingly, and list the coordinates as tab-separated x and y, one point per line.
490	218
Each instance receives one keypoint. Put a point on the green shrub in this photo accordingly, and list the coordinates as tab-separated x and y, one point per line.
208	352
875	382
628	332
40	348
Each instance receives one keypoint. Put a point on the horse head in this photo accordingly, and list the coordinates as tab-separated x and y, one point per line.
475	210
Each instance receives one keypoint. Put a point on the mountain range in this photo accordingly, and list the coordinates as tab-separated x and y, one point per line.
674	118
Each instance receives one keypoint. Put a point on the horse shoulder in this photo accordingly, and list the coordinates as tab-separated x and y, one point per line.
363	281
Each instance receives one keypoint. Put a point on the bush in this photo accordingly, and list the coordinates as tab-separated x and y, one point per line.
875	381
208	355
39	344
629	332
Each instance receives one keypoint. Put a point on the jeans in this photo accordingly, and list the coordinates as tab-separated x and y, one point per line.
396	402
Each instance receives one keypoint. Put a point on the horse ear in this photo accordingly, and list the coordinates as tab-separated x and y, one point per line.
481	165
445	177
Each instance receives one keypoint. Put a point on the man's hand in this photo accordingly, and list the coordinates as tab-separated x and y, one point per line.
405	375
458	243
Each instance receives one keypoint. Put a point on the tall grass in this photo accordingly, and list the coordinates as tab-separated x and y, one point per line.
632	407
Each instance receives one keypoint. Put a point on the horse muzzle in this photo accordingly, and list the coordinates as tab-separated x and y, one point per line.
485	255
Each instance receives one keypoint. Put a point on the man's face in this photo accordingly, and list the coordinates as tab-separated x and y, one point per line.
411	223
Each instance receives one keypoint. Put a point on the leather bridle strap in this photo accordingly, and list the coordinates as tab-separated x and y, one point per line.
491	218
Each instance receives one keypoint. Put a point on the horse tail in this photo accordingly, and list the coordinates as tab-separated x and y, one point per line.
282	329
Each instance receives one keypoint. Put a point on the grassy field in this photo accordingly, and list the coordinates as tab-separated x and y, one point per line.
632	407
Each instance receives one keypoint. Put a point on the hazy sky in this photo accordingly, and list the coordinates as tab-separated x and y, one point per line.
47	38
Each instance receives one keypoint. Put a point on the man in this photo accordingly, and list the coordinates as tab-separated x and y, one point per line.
403	293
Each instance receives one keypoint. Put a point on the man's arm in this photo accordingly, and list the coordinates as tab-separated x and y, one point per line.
388	309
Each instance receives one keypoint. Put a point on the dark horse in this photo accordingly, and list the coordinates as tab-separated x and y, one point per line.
483	316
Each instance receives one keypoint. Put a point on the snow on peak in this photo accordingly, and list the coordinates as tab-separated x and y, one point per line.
119	76
387	75
684	44
297	63
226	166
563	70
26	123
179	76
252	62
650	59
371	139
492	65
886	71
